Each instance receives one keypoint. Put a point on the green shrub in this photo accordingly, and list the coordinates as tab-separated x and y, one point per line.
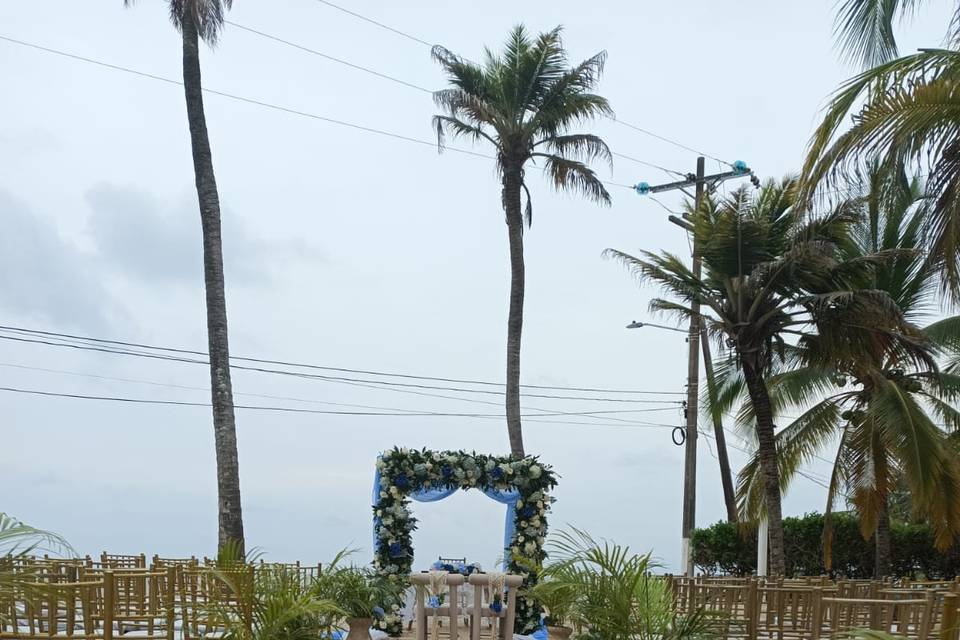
726	548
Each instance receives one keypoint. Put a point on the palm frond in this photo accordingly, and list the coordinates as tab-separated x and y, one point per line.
570	175
911	113
580	146
864	29
18	538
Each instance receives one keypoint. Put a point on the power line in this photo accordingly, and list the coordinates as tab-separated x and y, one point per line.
650	164
385	76
294	399
239	98
667	140
11	328
329	57
299	374
377	385
180	403
801	472
266	105
615	119
372	385
374	22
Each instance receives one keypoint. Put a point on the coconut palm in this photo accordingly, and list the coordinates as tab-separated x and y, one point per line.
771	272
203	20
524	102
903	109
879	410
865	28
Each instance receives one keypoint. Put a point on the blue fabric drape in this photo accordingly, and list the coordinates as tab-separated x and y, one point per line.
508	498
433	495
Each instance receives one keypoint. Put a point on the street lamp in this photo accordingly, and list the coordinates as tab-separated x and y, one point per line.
640	325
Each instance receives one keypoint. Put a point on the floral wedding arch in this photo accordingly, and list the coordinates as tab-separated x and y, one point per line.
522	484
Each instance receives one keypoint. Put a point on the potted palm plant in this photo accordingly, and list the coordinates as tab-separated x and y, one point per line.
558	596
611	594
358	592
266	603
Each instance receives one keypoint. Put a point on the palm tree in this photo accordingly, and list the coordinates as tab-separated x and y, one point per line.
524	102
903	110
865	28
771	273
202	20
881	408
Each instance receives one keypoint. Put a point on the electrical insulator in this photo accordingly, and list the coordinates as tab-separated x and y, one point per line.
643	188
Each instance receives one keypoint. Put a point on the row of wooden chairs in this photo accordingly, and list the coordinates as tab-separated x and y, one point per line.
815	608
90	600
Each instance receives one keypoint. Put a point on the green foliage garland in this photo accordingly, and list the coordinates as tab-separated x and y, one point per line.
404	471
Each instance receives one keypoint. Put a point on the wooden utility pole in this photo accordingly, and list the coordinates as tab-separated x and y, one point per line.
702	184
693	398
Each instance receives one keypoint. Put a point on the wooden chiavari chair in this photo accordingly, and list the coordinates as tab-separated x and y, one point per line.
121	561
161	563
200	588
136	604
950	617
727	608
484	592
41	611
901	618
305	575
449	583
785	612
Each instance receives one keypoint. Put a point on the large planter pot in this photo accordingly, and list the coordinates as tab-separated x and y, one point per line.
559	633
359	628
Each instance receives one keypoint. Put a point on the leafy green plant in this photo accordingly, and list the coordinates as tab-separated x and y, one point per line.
268	603
358	591
557	595
615	595
18	540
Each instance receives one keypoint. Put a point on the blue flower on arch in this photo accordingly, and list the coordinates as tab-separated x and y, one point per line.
396	550
497	473
401	481
446	471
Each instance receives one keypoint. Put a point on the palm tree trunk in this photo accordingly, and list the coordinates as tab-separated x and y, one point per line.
767	452
882	565
512	181
221	389
726	476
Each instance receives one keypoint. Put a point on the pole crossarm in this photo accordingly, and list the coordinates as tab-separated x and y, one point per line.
710	182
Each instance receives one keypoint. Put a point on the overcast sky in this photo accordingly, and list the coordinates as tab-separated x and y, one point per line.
356	250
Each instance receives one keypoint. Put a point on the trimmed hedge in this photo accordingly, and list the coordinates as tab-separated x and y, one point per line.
731	549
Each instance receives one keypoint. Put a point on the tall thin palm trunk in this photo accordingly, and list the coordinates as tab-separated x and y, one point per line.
512	180
230	528
723	460
767	454
882	565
